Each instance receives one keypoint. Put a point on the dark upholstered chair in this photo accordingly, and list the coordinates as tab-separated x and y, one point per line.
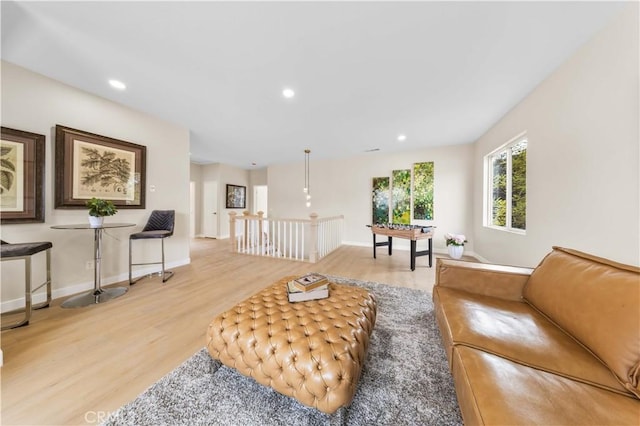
159	226
24	251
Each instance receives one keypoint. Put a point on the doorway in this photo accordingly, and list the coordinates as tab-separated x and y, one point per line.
210	209
260	199
192	209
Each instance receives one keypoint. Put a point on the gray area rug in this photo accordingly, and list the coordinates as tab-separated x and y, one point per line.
405	380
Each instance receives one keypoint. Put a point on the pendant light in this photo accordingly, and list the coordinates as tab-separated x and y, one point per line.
306	189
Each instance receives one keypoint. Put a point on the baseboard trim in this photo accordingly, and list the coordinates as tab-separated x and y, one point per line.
477	257
356	244
41	295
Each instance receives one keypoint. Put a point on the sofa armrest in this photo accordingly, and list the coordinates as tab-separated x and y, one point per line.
504	282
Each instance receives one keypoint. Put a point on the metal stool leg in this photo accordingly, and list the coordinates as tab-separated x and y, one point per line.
131	265
130	281
27	292
26	251
47	302
166	275
27	296
165	278
162	241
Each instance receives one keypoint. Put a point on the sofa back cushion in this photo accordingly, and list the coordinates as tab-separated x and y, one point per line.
596	301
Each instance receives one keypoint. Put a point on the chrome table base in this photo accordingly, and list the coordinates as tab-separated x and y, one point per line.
94	297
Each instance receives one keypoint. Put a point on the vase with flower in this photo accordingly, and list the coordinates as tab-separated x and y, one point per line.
455	245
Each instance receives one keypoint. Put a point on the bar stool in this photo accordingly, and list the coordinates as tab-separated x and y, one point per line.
24	251
159	226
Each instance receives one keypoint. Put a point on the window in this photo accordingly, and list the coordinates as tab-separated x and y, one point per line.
506	186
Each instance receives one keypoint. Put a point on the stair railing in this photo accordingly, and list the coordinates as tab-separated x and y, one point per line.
297	239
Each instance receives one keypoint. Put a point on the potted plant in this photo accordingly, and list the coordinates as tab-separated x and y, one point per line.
455	244
98	208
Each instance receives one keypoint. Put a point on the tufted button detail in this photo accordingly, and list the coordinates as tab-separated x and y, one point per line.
312	350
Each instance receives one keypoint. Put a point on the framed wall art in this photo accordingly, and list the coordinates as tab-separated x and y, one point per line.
423	191
236	197
21	176
90	165
401	196
380	201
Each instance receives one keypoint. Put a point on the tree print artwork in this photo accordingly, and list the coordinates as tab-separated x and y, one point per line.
103	172
11	176
105	169
7	169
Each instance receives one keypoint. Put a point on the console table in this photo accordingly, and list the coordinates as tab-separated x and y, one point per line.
407	232
98	294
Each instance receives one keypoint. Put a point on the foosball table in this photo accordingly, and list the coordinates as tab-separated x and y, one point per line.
413	233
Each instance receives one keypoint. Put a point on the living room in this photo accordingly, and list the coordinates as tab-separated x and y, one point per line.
583	192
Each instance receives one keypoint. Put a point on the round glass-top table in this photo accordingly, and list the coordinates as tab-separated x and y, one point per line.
98	294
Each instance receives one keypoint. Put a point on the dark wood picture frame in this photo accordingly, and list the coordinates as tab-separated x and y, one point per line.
22	185
236	197
89	165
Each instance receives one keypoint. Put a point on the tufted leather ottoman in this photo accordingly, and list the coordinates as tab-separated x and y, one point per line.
312	351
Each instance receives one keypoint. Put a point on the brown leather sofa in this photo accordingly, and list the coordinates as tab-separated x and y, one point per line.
554	345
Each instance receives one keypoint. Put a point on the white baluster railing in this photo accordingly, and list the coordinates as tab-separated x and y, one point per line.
296	239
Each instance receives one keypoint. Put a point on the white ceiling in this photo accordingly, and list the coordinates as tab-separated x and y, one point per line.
440	72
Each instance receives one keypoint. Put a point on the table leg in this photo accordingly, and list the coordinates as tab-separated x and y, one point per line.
413	255
430	253
98	295
97	257
390	245
374	245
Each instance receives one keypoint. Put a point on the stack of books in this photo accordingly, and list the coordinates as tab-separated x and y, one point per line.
308	287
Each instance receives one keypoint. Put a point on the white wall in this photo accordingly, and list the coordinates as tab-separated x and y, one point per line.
34	103
257	177
343	187
583	155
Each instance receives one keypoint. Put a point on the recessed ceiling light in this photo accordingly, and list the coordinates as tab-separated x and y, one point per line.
288	93
117	84
402	138
372	150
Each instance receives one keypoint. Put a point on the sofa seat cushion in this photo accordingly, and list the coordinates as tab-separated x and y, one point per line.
516	331
495	391
596	301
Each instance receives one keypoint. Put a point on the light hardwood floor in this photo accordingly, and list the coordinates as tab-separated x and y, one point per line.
73	366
